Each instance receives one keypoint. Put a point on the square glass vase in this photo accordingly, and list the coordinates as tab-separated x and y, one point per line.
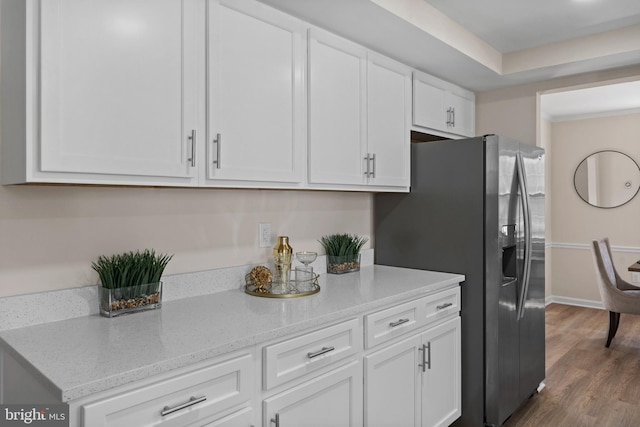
132	299
343	264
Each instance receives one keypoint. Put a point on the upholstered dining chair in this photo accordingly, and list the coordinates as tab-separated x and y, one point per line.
617	295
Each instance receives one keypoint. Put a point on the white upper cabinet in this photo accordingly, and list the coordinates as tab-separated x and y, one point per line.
388	121
337	105
441	106
359	112
256	94
221	93
112	91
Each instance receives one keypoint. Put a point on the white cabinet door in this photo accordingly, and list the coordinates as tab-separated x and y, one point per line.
416	381
441	106
241	418
337	134
119	86
256	103
392	385
462	119
441	389
333	399
429	104
388	121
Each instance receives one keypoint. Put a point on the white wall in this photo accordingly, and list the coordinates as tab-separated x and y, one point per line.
514	112
49	235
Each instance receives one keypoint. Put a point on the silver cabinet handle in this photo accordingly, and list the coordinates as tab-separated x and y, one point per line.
276	420
373	170
218	142
366	159
192	138
398	322
449	116
443	306
324	350
426	357
453	117
192	401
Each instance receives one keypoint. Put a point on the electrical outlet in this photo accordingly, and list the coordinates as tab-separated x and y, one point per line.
264	236
635	277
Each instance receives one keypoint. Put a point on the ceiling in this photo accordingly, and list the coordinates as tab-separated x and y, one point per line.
620	98
488	44
511	25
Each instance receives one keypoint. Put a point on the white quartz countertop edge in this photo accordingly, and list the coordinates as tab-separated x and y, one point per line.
81	356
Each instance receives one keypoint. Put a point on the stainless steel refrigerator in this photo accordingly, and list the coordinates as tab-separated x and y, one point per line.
476	207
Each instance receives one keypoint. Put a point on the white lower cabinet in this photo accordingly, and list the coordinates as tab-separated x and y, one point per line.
416	381
441	381
397	366
215	395
240	418
306	375
333	399
392	385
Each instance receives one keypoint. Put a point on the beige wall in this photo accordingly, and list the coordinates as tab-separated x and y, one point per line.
575	221
50	234
514	112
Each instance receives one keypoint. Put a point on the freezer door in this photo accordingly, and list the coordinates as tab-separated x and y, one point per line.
503	272
532	304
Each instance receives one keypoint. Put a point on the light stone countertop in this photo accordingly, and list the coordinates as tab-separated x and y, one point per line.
85	355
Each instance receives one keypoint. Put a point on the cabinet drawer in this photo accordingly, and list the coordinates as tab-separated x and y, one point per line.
180	399
392	322
299	356
440	305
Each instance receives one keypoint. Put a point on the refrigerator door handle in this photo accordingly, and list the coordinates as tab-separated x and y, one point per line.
526	274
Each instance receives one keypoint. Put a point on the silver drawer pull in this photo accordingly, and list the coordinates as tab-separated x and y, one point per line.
192	401
398	322
443	306
320	352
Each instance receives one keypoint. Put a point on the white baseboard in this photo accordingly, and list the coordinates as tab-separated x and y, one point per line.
574	301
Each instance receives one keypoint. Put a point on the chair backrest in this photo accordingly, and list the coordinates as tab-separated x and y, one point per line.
613	288
604	260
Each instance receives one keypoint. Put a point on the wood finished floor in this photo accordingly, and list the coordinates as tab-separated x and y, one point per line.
586	383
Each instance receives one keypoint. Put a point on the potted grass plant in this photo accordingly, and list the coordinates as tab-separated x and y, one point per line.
130	282
343	252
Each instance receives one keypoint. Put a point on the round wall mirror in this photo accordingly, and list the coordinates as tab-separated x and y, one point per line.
607	179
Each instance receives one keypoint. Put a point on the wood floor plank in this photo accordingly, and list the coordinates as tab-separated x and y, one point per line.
587	384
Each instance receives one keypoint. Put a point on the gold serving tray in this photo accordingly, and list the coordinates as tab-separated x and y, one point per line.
310	287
